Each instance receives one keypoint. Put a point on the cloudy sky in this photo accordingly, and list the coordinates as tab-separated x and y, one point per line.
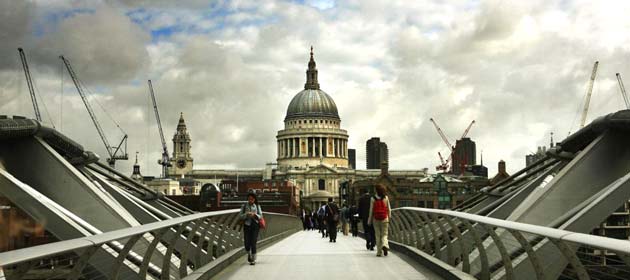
519	68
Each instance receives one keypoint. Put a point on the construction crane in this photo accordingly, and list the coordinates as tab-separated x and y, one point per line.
444	164
589	91
165	161
467	129
112	151
623	91
464	161
29	82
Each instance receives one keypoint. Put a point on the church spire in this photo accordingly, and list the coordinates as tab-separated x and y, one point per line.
311	74
136	171
181	125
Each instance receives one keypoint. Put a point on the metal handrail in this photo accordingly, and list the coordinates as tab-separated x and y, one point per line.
36	252
617	245
187	235
489	248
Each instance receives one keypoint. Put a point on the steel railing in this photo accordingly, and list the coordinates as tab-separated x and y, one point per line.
162	250
489	248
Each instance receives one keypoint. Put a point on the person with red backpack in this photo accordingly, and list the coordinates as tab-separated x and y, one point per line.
380	213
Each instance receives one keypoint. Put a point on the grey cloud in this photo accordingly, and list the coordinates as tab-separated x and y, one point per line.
15	28
103	47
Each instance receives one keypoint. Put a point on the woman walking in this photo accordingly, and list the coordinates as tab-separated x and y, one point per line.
380	212
251	214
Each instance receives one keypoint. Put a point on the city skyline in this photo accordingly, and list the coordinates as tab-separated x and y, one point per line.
519	70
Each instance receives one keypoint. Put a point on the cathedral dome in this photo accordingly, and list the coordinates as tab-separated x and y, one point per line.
312	102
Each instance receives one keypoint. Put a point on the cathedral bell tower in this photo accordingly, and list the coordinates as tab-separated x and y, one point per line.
181	161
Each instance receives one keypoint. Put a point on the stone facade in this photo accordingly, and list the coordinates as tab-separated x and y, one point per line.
181	161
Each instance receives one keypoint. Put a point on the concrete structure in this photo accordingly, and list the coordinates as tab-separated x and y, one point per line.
352	158
164	186
181	161
501	173
465	154
375	153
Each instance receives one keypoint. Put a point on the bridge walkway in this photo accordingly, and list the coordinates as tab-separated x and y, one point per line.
306	255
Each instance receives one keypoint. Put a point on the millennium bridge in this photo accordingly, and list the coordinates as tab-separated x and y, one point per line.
536	224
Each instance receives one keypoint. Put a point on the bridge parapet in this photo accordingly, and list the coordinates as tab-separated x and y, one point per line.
171	249
489	248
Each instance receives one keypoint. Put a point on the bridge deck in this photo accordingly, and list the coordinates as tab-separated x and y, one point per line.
305	255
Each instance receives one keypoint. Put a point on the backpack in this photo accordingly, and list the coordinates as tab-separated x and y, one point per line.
333	213
380	209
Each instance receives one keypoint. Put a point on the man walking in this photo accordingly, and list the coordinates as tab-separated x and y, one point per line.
332	218
321	214
364	214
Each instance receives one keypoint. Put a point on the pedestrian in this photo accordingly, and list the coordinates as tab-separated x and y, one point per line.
364	214
345	219
354	220
251	213
307	219
380	213
332	219
321	221
303	219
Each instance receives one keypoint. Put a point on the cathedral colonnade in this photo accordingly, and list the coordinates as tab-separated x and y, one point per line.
313	146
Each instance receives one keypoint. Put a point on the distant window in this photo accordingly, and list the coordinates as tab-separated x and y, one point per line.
310	121
322	184
430	204
421	203
173	192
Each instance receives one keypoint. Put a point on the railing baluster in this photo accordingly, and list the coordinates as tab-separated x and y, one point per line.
572	258
505	257
462	245
485	269
393	231
403	227
202	239
411	228
183	263
418	225
166	263
531	255
122	255
447	239
436	238
425	232
146	259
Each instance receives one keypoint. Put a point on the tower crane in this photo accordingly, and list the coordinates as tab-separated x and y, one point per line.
29	82
464	160
165	161
589	91
623	91
444	164
112	151
467	129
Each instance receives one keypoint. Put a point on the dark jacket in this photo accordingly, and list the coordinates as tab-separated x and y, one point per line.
331	210
364	207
